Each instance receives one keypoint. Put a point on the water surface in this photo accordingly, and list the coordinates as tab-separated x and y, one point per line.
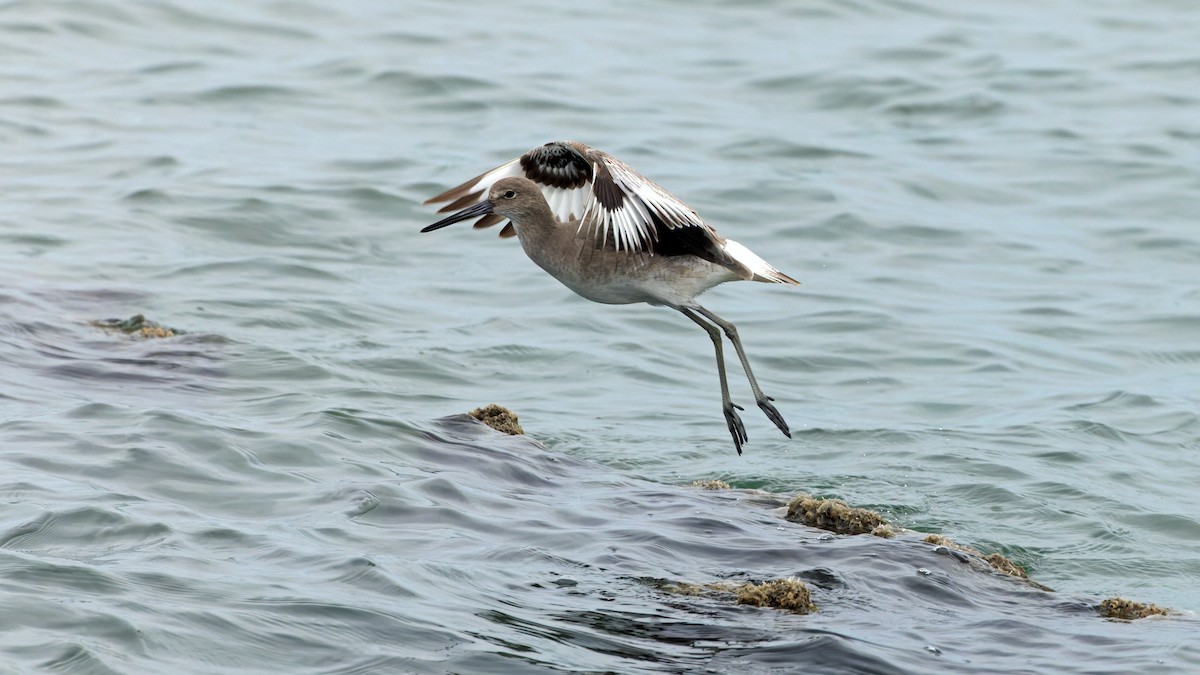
992	210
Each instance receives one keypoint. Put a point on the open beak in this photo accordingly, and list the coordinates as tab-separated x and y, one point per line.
483	208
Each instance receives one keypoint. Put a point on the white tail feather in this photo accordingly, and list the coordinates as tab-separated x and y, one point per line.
762	270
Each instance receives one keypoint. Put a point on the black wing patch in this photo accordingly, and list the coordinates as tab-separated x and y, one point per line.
605	189
558	165
695	241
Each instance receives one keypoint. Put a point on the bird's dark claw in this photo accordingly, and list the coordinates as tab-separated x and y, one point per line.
736	428
773	415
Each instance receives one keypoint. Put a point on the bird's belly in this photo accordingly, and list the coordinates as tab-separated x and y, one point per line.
609	292
658	280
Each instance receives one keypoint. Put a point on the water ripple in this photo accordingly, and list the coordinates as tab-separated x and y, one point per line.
992	210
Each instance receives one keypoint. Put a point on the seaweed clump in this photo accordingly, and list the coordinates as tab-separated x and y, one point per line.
137	325
499	418
1128	610
785	594
836	516
790	594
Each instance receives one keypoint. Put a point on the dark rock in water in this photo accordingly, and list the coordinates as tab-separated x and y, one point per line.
499	418
137	325
1120	608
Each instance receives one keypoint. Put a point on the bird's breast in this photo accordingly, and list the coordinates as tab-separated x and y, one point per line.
622	277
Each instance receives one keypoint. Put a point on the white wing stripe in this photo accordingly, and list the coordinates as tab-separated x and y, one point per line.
508	170
643	221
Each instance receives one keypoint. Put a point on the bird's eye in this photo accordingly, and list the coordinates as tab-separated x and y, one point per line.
509	194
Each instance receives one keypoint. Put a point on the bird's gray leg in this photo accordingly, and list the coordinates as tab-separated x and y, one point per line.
763	400
736	428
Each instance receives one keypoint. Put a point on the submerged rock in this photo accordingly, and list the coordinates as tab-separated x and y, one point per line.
790	594
1120	608
688	588
711	484
835	515
884	530
1002	564
999	562
787	594
137	325
499	418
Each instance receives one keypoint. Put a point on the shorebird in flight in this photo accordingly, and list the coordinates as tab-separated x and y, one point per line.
616	237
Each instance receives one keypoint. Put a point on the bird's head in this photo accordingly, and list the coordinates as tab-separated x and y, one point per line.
518	199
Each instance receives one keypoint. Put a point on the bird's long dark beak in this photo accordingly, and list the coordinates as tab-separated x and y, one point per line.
483	208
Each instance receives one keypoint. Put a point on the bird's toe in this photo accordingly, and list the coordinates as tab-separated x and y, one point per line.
736	428
774	415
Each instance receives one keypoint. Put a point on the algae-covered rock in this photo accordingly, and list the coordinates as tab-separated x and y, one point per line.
884	531
787	594
833	515
137	325
499	418
1003	564
688	588
999	562
790	594
1120	608
711	484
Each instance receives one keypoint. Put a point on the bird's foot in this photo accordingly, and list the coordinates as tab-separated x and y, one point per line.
773	415
736	428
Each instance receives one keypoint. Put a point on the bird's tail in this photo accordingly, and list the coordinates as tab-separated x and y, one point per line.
760	269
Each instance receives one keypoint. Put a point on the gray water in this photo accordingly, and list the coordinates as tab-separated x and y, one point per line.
993	210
